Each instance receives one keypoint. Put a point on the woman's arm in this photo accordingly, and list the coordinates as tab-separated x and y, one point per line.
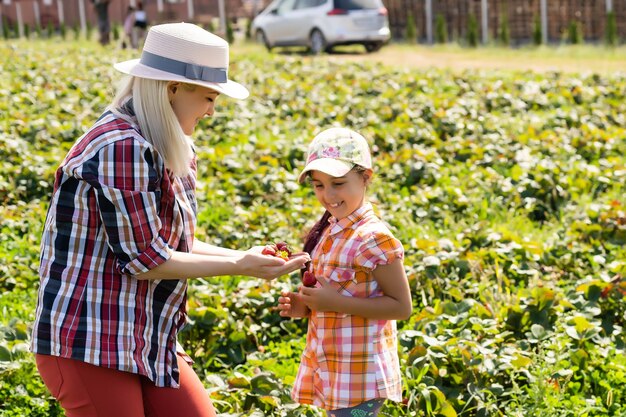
183	265
203	248
394	304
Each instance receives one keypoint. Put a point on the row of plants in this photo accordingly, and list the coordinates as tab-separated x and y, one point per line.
12	30
573	35
506	188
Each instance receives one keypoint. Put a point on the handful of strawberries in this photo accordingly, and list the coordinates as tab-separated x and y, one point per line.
283	250
279	250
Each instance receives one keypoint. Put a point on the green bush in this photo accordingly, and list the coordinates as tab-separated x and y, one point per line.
249	29
89	31
611	36
410	34
115	32
472	31
441	29
574	33
210	26
504	34
6	30
537	33
49	30
230	34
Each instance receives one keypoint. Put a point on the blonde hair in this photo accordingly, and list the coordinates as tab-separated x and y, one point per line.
157	121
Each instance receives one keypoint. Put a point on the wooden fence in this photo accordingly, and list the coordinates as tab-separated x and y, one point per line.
520	15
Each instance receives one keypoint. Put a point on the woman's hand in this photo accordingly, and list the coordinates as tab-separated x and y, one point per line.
255	264
321	298
290	305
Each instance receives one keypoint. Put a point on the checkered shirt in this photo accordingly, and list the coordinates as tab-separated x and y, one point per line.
115	212
350	359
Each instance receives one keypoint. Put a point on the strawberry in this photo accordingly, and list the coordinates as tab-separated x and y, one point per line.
284	246
269	250
308	279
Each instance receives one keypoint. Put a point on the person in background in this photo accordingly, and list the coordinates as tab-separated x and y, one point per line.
118	243
350	363
129	22
140	24
104	26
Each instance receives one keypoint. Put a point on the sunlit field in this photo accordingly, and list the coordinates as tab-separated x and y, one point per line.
502	171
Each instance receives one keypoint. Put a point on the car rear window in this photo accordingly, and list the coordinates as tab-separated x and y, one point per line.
357	4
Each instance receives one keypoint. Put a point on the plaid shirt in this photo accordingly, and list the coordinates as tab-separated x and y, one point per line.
350	359
115	212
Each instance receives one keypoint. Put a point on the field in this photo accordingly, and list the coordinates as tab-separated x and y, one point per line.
505	185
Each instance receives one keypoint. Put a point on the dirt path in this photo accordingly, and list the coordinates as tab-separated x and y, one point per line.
587	59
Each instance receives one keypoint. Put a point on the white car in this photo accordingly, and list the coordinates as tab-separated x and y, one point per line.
322	24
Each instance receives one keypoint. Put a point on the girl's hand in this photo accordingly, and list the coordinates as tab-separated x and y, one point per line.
268	267
321	298
290	305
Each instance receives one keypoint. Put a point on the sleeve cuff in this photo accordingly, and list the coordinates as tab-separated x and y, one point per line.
156	254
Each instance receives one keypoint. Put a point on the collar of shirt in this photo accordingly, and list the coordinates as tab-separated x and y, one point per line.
337	226
127	112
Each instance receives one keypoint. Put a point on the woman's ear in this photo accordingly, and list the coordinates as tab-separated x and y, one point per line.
172	87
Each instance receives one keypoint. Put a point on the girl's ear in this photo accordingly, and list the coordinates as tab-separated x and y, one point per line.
367	176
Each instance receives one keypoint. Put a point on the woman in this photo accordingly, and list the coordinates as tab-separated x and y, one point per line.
118	242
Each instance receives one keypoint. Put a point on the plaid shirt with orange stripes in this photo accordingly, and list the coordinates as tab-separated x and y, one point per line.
115	212
350	359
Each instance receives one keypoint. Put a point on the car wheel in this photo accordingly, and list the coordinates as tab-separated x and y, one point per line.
262	39
373	47
317	42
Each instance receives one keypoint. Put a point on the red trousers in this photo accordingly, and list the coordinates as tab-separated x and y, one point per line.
85	390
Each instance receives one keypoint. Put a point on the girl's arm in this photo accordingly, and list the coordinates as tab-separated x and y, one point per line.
183	265
291	305
395	304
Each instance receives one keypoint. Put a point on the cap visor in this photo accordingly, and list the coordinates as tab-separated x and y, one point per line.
330	166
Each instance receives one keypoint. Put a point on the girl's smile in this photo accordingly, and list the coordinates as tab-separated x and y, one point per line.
340	195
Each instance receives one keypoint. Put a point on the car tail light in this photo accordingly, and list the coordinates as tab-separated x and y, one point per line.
335	12
382	11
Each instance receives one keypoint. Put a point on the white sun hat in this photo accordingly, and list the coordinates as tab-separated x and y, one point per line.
187	53
335	152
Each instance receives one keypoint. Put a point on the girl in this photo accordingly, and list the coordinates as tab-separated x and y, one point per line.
350	364
118	243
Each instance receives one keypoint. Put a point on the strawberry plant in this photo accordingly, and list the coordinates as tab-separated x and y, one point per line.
505	187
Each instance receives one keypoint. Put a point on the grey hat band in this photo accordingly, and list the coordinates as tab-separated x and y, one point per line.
191	71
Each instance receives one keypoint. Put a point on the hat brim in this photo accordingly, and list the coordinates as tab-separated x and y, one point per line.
330	166
133	67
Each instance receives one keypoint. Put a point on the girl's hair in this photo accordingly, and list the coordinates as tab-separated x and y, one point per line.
157	121
313	237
